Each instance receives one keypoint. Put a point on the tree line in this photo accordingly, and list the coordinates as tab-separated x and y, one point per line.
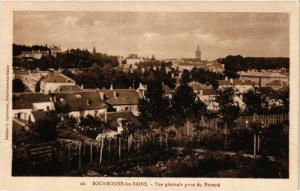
73	58
233	64
17	49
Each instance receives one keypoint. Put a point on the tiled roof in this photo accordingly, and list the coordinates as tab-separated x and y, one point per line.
283	89
198	86
56	77
249	82
262	74
25	100
236	82
275	83
66	88
77	101
209	92
38	115
120	97
224	82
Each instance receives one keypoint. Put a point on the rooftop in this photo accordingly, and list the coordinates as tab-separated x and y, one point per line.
209	92
25	100
277	83
56	77
262	74
120	96
70	88
198	86
78	101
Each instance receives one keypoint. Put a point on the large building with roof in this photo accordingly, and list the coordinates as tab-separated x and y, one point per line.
78	104
26	103
54	80
121	100
263	78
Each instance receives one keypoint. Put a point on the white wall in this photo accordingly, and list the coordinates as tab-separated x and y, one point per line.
22	113
43	106
46	87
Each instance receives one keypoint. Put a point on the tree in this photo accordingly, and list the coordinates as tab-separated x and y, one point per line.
253	101
18	86
185	77
38	85
232	65
153	106
46	127
228	110
183	103
92	122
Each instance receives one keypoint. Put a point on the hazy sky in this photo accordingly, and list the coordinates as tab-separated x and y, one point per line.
164	34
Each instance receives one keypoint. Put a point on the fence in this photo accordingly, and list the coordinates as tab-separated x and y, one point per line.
82	152
243	121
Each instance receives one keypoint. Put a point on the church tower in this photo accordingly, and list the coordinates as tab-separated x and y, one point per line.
198	53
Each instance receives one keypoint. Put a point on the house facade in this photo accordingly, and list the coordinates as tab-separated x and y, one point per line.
26	103
53	81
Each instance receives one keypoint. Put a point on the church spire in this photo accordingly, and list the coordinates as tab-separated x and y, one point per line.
198	53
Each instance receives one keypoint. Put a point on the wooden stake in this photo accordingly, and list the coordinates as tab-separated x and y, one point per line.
83	148
119	149
108	148
258	143
79	156
69	154
166	141
91	153
101	151
254	146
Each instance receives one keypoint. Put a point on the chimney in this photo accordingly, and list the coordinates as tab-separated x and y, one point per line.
111	87
231	80
81	86
105	116
115	94
101	94
226	78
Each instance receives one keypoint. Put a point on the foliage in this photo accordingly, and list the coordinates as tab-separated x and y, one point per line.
62	108
46	127
74	58
17	49
206	77
254	101
238	63
70	122
91	122
153	108
18	86
185	77
185	105
232	65
228	109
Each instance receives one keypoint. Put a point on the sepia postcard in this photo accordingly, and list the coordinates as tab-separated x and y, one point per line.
149	95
